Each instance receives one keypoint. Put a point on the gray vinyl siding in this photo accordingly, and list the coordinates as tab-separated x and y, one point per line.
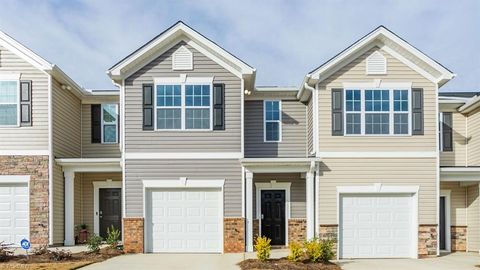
36	136
294	137
58	204
298	207
473	218
94	150
163	169
137	140
310	127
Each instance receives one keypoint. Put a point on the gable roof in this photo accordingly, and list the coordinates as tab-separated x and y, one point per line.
398	47
174	34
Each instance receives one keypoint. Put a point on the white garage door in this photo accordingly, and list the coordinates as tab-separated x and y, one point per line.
13	213
184	220
376	226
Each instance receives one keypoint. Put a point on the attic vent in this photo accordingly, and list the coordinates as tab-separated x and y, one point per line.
182	59
376	63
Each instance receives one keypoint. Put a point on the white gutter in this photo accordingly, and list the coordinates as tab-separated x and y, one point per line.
471	105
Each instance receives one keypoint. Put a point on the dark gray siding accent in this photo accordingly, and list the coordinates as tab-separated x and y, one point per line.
294	137
297	191
417	111
163	169
138	140
337	112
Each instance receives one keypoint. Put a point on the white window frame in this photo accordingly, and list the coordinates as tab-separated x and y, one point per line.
183	81
116	123
17	81
279	121
391	112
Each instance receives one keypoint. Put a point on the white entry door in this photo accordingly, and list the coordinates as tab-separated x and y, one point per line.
184	220
13	213
374	226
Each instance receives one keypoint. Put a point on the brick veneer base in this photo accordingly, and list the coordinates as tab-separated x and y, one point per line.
256	230
37	168
133	235
459	238
297	230
427	240
329	232
234	235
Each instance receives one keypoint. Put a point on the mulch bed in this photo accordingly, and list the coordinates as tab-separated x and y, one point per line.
284	264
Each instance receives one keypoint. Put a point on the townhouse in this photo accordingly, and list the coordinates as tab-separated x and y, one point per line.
189	155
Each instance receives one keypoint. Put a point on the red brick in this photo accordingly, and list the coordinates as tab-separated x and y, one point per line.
133	235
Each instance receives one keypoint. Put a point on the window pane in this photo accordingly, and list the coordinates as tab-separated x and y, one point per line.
169	95
197	118
169	118
272	111
353	100
197	95
353	123
8	114
109	113
400	100
377	123
109	133
377	100
8	92
272	131
400	123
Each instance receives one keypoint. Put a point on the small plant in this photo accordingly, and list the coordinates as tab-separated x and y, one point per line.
41	250
113	236
94	242
319	250
263	247
60	255
5	252
296	252
82	226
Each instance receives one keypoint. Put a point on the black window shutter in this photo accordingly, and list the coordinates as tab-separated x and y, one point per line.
96	123
25	103
447	134
148	107
219	106
337	112
417	111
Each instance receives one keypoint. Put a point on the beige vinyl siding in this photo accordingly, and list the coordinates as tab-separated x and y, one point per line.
457	157
310	127
66	123
137	140
297	191
77	201
458	209
474	136
355	71
94	150
293	140
335	172
205	169
36	136
58	204
473	215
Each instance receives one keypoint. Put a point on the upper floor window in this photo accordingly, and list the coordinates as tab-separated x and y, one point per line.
109	123
377	112
9	103
446	131
272	120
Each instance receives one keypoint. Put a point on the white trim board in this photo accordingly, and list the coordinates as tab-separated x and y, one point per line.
24	152
273	185
97	185
385	154
9	179
183	155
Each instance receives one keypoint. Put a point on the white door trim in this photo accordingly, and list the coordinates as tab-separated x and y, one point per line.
97	185
379	188
273	185
447	195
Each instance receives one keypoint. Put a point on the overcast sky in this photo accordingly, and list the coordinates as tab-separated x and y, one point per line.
283	40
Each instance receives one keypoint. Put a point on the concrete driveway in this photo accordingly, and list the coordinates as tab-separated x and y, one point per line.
456	261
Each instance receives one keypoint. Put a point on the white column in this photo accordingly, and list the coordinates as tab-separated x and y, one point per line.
69	208
310	204
249	209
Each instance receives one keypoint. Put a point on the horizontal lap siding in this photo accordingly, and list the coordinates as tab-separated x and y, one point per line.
58	204
473	218
137	140
293	143
36	136
205	169
297	191
397	72
94	150
367	171
474	135
310	126
458	209
457	157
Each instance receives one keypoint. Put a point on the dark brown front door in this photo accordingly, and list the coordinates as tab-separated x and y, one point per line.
273	215
443	230
110	209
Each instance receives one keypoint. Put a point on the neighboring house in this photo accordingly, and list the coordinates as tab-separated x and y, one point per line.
191	156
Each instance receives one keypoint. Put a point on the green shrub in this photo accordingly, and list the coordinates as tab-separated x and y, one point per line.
263	247
296	252
319	250
94	242
113	236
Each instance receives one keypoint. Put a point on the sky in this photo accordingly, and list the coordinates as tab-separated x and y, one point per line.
283	40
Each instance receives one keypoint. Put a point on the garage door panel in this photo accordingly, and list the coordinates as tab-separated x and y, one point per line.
14	211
